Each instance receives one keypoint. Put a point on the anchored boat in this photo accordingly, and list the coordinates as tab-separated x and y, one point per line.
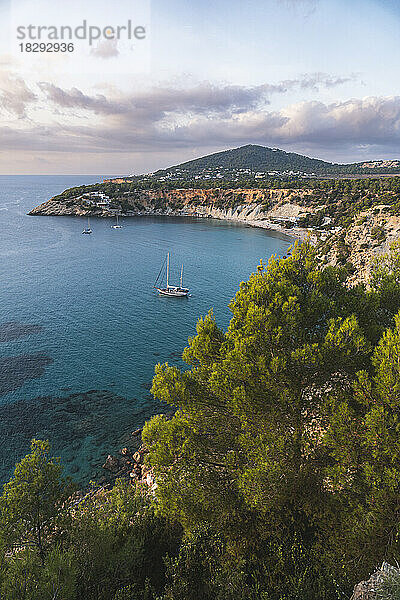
170	290
117	225
87	229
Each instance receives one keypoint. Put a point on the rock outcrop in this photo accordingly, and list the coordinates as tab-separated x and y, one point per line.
271	209
369	234
369	590
130	463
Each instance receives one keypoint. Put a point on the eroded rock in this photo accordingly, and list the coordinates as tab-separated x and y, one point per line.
111	464
369	589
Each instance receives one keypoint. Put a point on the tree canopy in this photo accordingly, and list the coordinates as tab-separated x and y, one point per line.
277	477
247	449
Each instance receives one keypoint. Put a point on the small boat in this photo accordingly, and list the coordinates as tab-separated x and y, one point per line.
87	229
172	291
117	225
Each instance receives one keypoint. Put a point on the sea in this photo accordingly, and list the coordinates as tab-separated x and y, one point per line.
81	327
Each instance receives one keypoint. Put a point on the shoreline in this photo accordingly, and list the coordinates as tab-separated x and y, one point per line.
277	210
296	233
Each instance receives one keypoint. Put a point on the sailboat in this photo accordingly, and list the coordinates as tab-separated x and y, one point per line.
117	225
171	290
87	229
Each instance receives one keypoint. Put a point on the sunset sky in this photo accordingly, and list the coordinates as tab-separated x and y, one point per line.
316	77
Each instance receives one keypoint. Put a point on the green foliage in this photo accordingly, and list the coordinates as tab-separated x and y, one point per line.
119	541
245	401
30	501
378	234
278	476
246	450
385	282
255	158
135	592
26	577
364	438
108	543
343	250
312	219
294	570
283	570
203	569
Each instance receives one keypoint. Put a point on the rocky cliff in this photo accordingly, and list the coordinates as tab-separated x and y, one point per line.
272	209
366	234
370	234
382	584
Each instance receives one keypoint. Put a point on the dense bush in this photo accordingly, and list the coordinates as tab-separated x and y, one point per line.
272	442
278	475
86	548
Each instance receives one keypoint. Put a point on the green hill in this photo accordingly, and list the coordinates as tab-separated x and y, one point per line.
263	159
256	158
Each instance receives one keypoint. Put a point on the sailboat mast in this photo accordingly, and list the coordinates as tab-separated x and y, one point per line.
167	269
182	276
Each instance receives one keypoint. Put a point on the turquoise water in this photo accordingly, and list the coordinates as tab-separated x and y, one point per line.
80	326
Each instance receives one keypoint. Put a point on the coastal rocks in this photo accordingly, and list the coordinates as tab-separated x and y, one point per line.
369	590
140	471
254	207
130	463
58	208
112	464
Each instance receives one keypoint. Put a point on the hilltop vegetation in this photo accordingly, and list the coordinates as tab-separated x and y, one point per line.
245	167
278	475
342	199
254	158
260	159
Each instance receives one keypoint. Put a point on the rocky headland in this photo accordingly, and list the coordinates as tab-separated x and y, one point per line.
298	213
270	209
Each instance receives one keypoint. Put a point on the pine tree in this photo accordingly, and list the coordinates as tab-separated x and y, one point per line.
245	439
31	499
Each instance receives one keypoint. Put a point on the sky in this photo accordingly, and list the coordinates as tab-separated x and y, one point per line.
317	77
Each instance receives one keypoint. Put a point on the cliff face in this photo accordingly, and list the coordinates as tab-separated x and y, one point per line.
369	234
188	199
270	209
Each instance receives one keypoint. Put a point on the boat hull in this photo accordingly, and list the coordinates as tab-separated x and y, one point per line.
173	293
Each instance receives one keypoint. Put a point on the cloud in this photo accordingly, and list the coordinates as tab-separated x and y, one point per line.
315	81
154	103
370	121
203	98
357	122
15	95
74	98
106	49
171	119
